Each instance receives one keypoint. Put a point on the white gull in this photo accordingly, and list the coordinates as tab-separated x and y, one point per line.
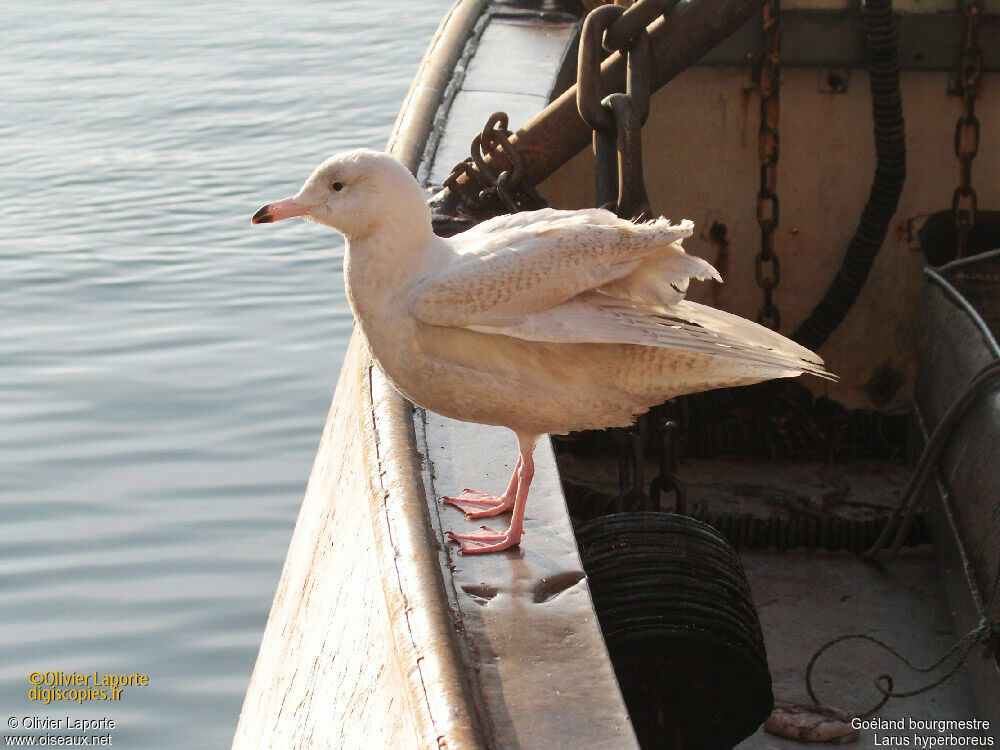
544	321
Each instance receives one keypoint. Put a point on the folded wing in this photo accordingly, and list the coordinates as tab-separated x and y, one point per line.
687	326
590	277
530	262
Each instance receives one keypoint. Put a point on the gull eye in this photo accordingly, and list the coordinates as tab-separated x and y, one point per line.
338	186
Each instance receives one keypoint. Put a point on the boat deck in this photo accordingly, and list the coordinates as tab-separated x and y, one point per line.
807	598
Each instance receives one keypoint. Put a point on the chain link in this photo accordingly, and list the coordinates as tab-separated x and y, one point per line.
766	266
484	186
638	16
964	199
617	119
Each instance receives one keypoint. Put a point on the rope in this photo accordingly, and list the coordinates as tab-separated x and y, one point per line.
986	629
884	682
983	632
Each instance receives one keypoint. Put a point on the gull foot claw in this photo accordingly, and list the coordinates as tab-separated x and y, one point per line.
485	540
479	505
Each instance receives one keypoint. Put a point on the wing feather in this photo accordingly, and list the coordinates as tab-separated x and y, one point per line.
600	319
590	277
531	262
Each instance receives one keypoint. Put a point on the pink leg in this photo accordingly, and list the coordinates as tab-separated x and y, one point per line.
480	505
488	540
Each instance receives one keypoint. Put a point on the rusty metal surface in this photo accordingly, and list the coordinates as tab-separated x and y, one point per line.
689	31
705	167
833	38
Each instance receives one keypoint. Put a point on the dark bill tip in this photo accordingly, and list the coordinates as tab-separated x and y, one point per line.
263	215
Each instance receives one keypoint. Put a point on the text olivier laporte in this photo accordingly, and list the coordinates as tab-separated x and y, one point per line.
55	685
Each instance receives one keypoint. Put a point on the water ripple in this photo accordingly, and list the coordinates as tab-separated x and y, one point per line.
165	369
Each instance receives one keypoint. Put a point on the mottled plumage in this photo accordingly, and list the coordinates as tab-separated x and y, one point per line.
544	322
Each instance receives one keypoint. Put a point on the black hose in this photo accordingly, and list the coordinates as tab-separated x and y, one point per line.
882	38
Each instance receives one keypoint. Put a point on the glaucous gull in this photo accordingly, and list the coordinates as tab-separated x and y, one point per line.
544	321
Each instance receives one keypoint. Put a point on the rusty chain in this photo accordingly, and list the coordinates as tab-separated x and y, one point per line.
964	201
617	119
484	185
668	480
767	269
482	191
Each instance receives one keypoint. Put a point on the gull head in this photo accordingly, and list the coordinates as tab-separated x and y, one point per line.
356	192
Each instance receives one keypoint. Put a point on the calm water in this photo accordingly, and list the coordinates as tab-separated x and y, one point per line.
165	368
